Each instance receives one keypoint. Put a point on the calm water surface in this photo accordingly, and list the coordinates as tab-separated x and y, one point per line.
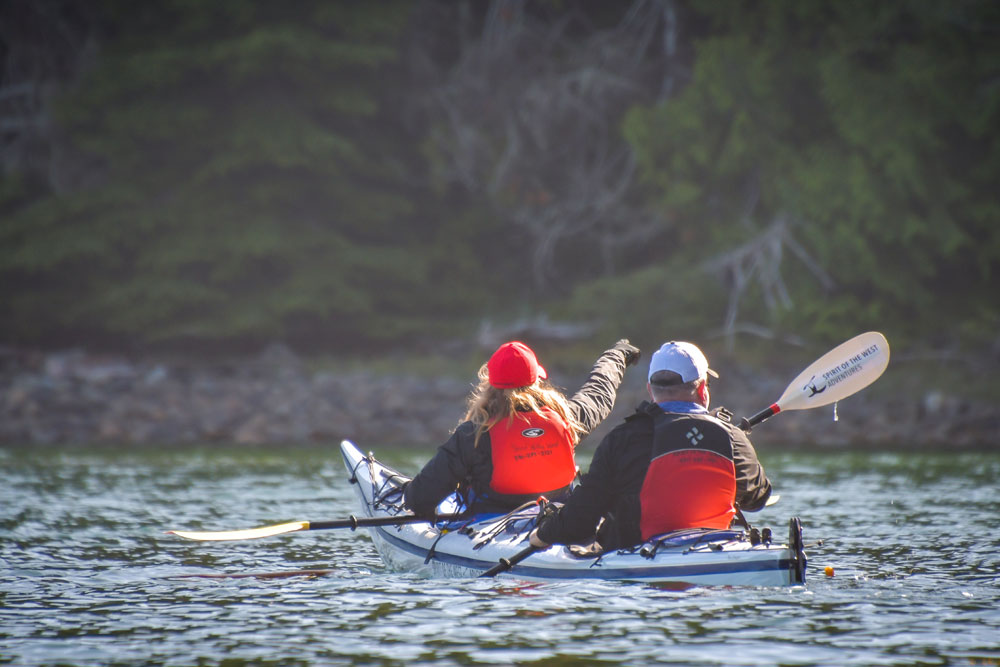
87	576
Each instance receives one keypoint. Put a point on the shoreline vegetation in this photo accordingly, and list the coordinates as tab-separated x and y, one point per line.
73	397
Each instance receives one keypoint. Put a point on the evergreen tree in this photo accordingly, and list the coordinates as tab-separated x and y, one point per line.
836	162
246	176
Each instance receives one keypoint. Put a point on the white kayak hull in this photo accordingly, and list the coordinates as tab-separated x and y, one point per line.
470	548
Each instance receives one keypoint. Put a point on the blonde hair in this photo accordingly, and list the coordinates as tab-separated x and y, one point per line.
487	405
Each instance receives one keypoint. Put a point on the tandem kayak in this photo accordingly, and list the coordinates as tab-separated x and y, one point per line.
472	546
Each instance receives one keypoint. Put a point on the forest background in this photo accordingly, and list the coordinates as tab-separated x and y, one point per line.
400	186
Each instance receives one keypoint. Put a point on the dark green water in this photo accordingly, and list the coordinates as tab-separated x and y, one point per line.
87	576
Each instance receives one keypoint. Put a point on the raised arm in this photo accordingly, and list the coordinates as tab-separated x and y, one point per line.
593	402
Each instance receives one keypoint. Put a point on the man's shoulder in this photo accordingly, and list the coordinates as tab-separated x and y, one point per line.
715	421
723	421
644	412
639	423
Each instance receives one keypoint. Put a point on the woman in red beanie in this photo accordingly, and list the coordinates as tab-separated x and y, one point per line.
519	433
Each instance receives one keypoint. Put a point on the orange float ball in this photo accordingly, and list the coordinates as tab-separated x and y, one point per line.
829	571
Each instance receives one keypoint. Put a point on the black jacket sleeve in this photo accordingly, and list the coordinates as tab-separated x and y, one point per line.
453	464
595	399
577	520
611	486
753	488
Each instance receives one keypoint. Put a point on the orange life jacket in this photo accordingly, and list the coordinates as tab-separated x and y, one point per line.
691	480
532	454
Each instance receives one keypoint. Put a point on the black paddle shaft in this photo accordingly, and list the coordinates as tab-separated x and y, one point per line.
507	563
770	411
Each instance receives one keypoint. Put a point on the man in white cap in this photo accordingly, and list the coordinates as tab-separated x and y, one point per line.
670	465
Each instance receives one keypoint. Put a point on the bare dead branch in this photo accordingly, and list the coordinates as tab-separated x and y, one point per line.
759	262
529	117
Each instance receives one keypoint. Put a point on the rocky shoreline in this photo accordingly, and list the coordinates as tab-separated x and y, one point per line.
73	398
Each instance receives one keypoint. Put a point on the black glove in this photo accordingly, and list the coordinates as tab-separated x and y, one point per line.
632	353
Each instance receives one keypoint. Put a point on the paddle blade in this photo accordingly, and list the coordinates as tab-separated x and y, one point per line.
247	534
844	370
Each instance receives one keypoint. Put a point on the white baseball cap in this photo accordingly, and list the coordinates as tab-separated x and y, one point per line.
684	359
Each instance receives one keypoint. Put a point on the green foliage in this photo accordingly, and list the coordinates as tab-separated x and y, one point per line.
649	305
246	170
865	125
249	182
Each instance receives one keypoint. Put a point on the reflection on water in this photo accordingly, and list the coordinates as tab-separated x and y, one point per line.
89	577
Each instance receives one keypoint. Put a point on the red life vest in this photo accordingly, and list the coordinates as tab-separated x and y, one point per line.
691	480
532	454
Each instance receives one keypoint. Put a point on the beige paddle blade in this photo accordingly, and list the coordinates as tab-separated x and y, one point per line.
247	534
844	370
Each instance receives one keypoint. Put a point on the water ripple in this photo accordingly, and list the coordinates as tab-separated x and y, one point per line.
88	577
